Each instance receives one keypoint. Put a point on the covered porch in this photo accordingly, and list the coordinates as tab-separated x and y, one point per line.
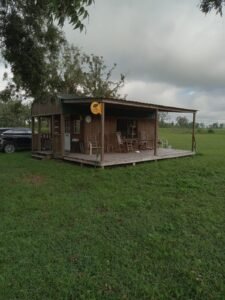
124	132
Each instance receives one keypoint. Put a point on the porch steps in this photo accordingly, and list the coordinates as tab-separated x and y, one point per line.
41	155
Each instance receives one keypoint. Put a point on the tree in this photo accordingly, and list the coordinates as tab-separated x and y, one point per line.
59	10
72	71
97	80
14	111
81	74
207	5
30	39
163	117
182	121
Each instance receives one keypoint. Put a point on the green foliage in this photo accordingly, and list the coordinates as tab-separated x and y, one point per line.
182	121
41	61
30	40
74	10
97	80
211	130
14	109
154	231
75	72
207	5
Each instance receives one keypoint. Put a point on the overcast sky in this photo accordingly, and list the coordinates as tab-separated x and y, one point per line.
170	52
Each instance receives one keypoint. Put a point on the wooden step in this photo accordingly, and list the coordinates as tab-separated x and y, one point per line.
41	155
36	156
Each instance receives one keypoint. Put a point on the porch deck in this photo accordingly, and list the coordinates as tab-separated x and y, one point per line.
112	159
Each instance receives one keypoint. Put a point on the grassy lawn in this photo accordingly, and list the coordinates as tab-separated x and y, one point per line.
154	231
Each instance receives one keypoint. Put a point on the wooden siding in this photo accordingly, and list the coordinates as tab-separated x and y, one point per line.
92	132
146	126
46	109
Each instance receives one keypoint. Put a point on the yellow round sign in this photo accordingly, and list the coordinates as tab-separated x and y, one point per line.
96	108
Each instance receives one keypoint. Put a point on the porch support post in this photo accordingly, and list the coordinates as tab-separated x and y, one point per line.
32	141
102	133
52	132
193	147
39	133
156	133
62	131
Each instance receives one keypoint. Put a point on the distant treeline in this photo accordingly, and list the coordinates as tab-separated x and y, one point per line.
183	122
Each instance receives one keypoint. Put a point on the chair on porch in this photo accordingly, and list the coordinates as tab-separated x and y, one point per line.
163	143
93	145
125	145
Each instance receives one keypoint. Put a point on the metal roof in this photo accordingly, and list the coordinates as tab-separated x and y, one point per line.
69	98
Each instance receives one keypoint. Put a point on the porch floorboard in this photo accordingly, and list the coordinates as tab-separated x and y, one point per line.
111	159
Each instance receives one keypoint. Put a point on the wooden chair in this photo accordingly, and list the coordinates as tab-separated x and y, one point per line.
94	145
125	145
121	143
163	143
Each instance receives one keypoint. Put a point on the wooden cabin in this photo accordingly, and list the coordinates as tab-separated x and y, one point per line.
101	132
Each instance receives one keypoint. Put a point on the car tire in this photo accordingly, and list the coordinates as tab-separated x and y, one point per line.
9	148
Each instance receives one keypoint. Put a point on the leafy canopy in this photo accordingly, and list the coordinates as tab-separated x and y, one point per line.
14	111
207	5
30	39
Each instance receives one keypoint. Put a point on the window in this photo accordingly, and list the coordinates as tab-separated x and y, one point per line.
67	125
127	127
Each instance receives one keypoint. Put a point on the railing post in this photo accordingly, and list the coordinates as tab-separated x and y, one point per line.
39	133
193	147
156	133
62	132
32	141
52	133
102	132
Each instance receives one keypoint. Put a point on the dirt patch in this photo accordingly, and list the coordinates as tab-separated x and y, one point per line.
34	179
102	210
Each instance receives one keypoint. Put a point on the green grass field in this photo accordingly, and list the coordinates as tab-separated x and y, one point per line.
153	231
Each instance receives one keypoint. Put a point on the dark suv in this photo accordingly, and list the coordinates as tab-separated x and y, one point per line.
15	139
3	129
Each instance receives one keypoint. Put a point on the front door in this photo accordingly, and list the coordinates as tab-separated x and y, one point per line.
76	134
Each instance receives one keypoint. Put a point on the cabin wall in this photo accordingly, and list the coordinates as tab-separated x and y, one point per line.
46	109
92	131
146	126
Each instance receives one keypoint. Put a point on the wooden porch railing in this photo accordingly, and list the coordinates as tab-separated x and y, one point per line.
47	142
35	142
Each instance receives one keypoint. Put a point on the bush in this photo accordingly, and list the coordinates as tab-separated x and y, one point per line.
211	130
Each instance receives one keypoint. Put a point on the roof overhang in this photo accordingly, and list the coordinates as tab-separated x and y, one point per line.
71	99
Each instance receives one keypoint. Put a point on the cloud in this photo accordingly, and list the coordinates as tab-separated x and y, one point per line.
171	42
171	53
209	103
